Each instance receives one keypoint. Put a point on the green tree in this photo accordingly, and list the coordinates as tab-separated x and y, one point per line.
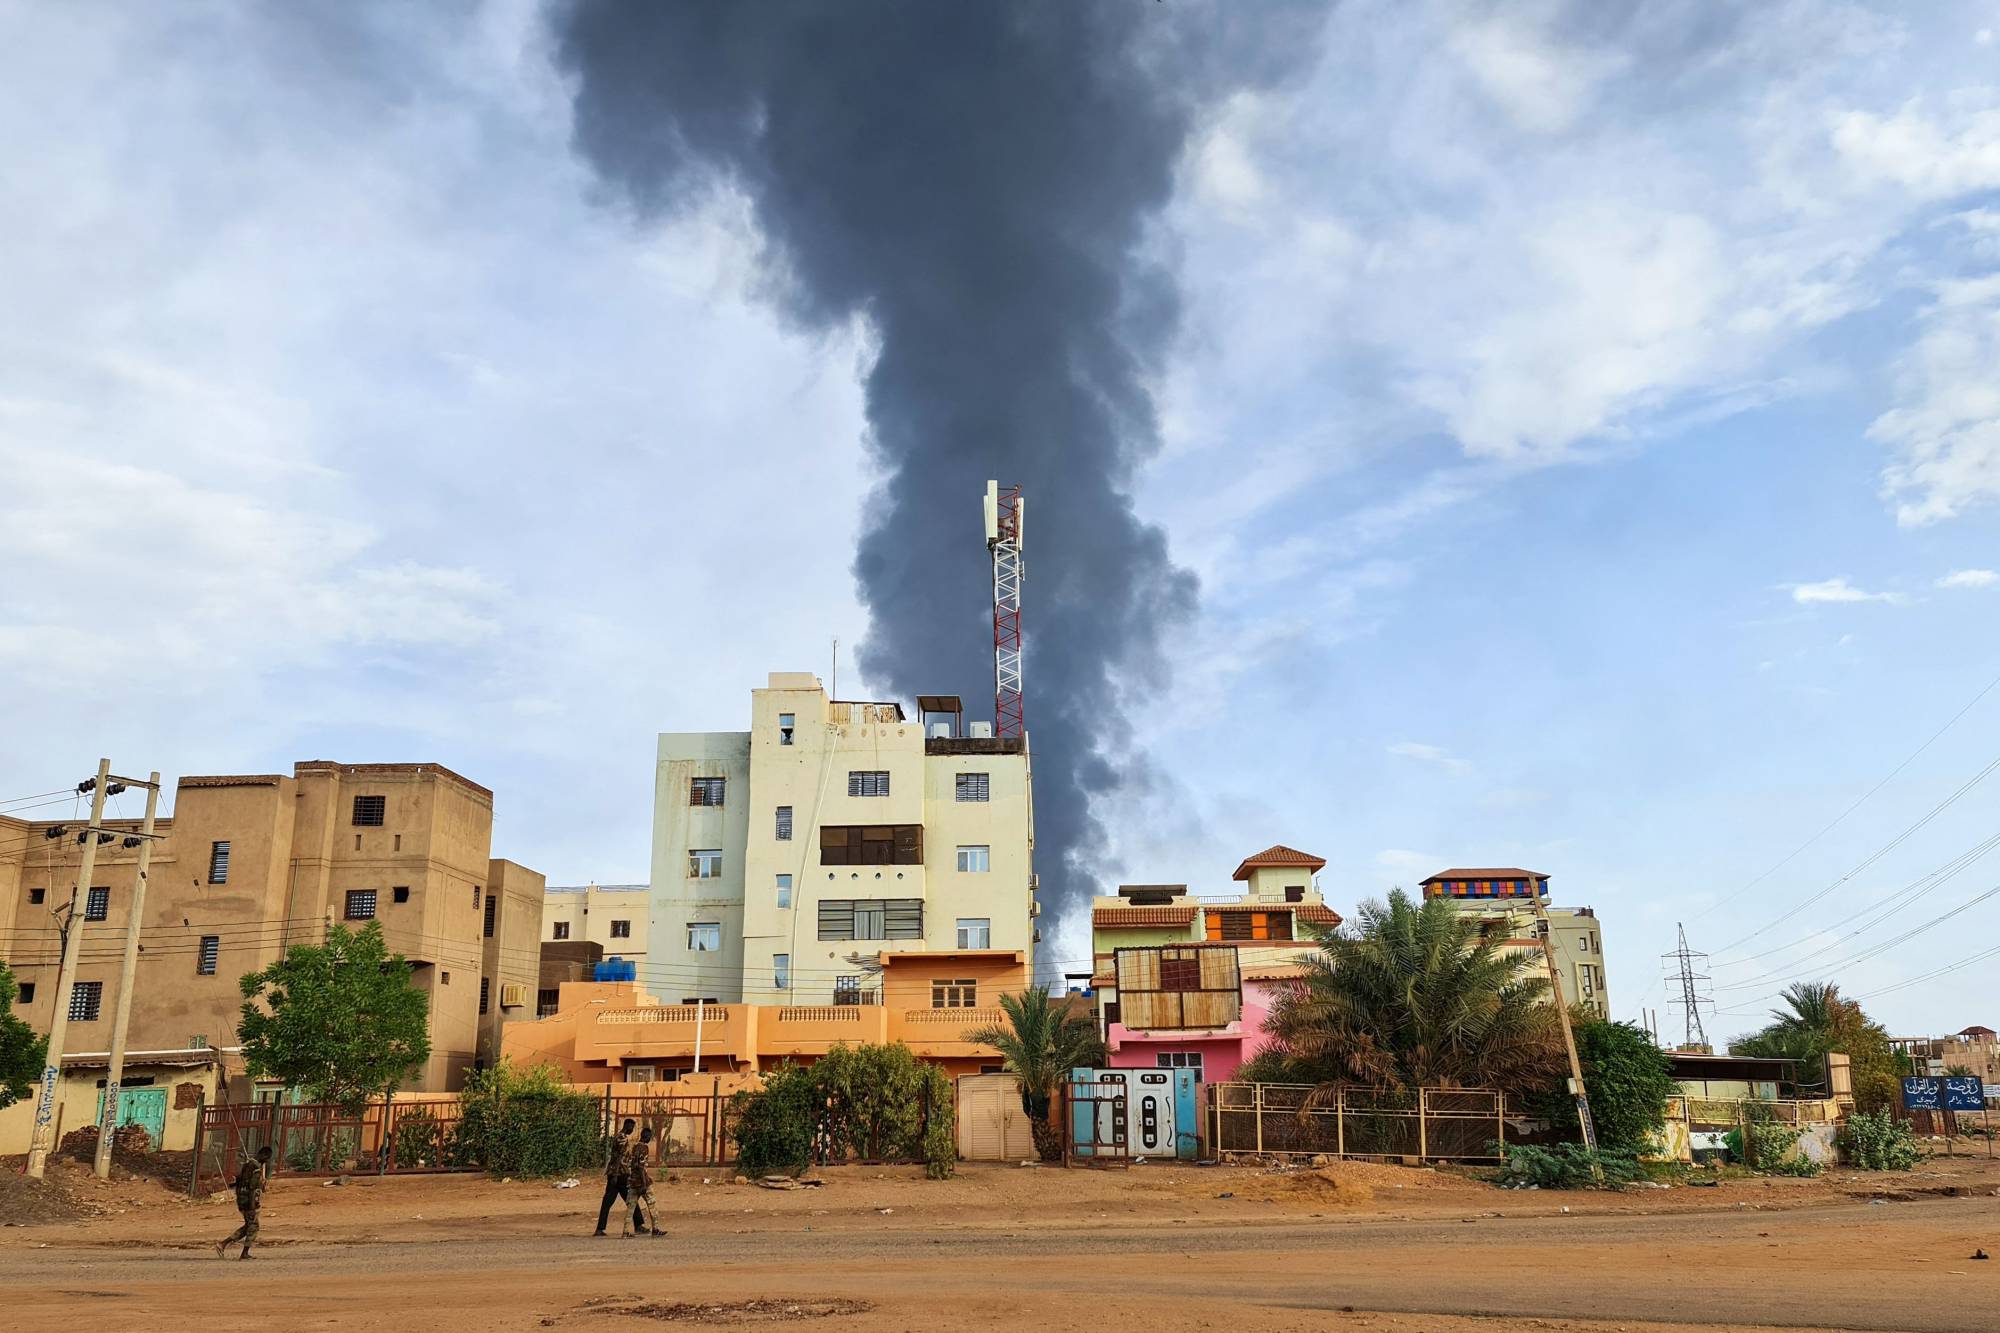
1415	995
23	1052
1817	1019
342	1019
1042	1041
1628	1079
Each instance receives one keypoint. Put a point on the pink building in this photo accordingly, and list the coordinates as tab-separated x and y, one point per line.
1200	1012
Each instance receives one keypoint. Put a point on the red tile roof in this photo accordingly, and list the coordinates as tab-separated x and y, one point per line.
1279	855
1142	916
1497	872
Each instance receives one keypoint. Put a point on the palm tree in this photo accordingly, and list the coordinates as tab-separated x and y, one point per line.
1415	996
1041	1043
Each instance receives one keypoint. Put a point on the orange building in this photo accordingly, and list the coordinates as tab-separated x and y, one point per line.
611	1032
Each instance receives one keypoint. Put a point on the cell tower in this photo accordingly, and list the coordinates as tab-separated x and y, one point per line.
1003	539
1683	963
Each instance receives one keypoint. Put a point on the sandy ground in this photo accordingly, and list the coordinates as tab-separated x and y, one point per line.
1160	1247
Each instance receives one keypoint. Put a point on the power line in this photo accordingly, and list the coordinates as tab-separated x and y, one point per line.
1873	951
1981	956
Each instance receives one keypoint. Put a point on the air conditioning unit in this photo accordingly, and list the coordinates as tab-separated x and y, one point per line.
1034	910
981	731
940	731
513	995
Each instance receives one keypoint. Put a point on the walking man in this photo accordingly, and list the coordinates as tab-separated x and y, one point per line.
639	1187
250	1181
616	1180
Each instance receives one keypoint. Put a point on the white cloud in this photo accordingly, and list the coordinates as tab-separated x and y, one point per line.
1946	430
1970	578
1407	868
1543	84
1936	156
1834	591
1431	754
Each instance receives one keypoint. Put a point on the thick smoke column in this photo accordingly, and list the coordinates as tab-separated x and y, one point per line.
975	179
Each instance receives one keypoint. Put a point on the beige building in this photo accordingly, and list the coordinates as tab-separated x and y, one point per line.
612	915
787	858
251	864
1504	899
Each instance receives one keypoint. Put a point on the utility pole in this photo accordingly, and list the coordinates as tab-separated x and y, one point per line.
39	1145
1569	1037
107	1121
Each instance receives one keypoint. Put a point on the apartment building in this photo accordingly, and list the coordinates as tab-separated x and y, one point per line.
788	858
1504	900
613	916
251	864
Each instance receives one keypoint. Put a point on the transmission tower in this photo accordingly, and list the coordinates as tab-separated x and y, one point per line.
1690	968
1003	539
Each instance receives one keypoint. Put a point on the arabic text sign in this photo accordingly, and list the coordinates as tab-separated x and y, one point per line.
1963	1094
1923	1094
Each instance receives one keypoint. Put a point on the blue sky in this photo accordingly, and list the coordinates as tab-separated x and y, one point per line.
1586	427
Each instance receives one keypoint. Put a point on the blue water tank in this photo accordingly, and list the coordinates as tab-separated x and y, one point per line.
616	969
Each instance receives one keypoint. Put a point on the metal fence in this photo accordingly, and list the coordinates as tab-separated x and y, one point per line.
1287	1120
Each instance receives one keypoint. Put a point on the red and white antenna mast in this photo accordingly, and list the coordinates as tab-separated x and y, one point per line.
1003	539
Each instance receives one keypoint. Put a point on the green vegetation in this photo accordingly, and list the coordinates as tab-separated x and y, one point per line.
1414	996
1817	1019
515	1121
1877	1141
1564	1166
340	1020
23	1053
876	1103
1043	1040
1628	1080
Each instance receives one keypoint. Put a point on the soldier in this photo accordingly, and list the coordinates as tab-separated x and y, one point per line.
250	1179
616	1181
639	1187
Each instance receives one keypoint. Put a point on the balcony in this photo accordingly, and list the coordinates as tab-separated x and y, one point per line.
818	1028
942	1031
666	1031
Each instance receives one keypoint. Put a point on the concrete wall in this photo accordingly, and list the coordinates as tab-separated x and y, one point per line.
589	911
76	1102
511	954
678	898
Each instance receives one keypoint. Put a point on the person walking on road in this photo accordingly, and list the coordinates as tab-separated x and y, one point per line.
251	1178
616	1181
639	1186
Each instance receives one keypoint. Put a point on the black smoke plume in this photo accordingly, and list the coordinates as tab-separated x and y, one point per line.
976	179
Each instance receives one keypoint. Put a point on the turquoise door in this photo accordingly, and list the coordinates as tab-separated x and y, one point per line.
140	1106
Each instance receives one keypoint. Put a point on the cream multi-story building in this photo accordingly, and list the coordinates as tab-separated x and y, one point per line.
1505	898
788	858
612	915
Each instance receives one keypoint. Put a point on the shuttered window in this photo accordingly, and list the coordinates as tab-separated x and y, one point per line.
1249	926
973	787
218	863
871	918
706	791
97	904
211	950
784	823
485	992
492	908
1182	974
369	811
85	999
868	782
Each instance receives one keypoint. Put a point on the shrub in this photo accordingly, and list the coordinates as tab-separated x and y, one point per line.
1770	1149
1564	1166
1628	1080
776	1125
1877	1141
421	1139
525	1122
875	1102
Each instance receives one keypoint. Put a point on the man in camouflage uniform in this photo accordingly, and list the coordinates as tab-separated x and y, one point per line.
617	1182
250	1181
639	1186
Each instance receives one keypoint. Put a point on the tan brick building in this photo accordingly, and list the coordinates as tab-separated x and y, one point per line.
253	863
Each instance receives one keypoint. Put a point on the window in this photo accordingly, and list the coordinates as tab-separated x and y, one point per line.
444	978
361	904
621	929
975	858
868	782
85	997
871	845
36	897
706	864
975	932
706	791
705	936
561	930
787	724
699	999
871	918
370	810
492	910
1248	926
485	992
547	1000
1295	893
784	890
211	950
397	844
1180	974
1181	1060
97	904
960	994
847	990
784	823
477	896
218	863
26	993
781	971
973	787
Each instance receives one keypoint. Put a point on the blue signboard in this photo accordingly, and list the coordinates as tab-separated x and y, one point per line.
1963	1094
1923	1094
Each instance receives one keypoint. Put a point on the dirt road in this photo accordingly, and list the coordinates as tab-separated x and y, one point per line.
1374	1247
